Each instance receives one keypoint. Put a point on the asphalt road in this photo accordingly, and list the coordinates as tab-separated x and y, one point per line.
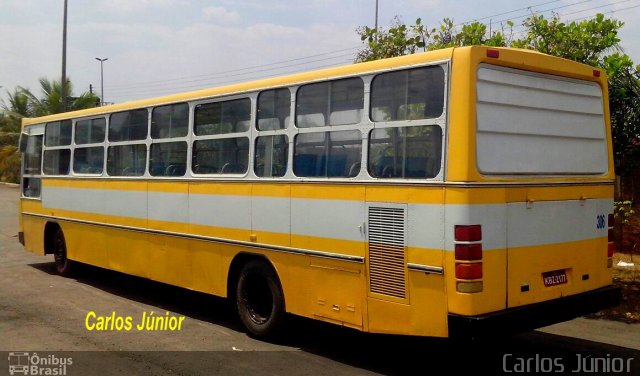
43	313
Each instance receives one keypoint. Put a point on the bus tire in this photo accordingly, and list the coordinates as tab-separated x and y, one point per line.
260	299
64	266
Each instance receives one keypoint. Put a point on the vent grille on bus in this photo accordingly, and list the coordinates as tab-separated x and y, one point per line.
386	251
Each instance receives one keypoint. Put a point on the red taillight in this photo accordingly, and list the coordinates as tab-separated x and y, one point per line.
469	271
611	245
493	53
468	252
471	233
468	247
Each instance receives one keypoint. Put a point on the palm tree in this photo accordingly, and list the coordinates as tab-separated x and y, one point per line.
18	104
50	101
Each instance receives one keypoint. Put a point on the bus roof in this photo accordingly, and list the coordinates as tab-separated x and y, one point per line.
293	79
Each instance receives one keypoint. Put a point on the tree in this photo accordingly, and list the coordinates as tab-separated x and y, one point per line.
624	107
50	101
23	103
18	103
400	39
9	124
587	42
594	41
9	163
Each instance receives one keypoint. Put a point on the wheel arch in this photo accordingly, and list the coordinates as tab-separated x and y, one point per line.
50	229
238	262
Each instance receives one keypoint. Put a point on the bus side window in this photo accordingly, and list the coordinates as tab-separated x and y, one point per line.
223	117
405	152
271	154
221	156
327	154
274	107
337	102
410	94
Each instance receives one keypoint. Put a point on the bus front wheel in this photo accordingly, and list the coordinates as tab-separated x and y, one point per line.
260	299
63	264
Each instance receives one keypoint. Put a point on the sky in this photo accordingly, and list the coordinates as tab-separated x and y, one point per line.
157	47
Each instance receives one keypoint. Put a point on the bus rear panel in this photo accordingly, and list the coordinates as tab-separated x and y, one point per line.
529	231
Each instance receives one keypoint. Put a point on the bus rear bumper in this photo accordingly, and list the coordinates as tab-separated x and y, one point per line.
529	317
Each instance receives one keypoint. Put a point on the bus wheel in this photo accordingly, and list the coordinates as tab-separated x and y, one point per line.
260	299
63	264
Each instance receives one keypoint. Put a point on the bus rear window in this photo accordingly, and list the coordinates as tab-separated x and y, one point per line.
539	124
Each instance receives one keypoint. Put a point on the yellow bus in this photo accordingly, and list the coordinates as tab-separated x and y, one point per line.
450	193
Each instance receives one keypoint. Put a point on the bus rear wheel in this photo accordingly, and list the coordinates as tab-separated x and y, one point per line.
260	299
63	264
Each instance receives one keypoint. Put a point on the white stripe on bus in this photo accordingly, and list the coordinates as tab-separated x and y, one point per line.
430	226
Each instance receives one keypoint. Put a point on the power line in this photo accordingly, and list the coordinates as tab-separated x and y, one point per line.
214	76
355	48
546	10
172	90
180	79
610	12
509	12
598	7
207	80
523	30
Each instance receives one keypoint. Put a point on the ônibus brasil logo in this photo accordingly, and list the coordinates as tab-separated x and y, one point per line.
24	363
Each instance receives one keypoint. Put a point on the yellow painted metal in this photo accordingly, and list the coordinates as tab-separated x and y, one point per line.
494	293
527	264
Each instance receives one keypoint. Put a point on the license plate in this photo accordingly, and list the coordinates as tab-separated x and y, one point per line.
554	278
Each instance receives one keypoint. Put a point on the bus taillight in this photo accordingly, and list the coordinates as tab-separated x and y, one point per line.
469	252
611	245
471	233
493	53
469	271
468	256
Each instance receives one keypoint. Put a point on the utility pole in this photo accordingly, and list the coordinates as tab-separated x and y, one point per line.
63	83
102	101
376	23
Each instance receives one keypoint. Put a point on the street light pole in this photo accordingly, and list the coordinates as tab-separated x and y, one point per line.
376	23
102	79
63	83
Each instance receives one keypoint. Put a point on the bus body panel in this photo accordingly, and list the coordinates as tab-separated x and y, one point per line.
32	227
462	208
574	241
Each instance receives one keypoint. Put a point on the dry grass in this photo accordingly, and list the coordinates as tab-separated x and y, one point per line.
628	278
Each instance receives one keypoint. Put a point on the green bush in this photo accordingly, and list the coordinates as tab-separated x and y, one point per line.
9	139
10	164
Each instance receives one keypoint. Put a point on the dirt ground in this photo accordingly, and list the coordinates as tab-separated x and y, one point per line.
626	274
